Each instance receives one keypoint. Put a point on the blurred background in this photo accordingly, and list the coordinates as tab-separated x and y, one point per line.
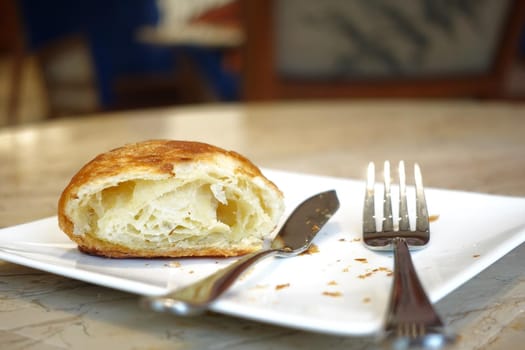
61	58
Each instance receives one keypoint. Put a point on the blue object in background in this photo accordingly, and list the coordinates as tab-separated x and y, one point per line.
110	26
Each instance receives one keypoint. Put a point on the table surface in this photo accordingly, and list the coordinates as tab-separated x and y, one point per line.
464	145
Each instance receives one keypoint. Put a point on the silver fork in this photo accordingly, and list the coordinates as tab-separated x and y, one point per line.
411	320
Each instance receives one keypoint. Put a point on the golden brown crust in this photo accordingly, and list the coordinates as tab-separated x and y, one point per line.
180	253
152	157
157	156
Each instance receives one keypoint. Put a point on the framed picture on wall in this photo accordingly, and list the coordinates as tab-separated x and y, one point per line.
309	48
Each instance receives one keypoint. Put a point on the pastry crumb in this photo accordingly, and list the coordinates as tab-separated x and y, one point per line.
281	286
433	217
365	275
333	294
311	250
376	270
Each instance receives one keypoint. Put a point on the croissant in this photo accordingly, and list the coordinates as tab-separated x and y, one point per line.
167	198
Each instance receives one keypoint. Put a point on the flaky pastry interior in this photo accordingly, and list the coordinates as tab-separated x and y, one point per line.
169	199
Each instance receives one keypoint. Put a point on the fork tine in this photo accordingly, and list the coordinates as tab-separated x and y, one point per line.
388	223
422	221
369	221
404	222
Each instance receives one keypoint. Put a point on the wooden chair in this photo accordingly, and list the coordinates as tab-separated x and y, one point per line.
12	46
263	79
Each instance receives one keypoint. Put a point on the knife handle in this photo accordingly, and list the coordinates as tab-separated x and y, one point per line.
195	298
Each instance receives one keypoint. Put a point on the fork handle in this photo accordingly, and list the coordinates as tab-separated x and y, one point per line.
195	298
408	300
411	319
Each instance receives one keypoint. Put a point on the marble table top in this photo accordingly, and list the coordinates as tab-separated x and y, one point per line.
463	145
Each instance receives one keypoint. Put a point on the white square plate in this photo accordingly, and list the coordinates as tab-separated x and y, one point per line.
341	289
